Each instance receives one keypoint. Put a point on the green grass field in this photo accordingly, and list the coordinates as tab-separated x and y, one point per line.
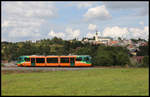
108	81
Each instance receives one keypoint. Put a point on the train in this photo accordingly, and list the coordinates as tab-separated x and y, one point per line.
54	60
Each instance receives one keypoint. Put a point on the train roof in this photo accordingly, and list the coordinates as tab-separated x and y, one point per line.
52	55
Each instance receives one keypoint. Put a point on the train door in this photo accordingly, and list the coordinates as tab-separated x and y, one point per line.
32	61
72	61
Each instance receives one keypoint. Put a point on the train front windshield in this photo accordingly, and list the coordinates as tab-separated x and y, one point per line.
19	60
87	59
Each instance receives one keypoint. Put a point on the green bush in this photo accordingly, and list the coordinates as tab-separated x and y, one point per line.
2	65
143	51
122	58
82	51
111	56
145	61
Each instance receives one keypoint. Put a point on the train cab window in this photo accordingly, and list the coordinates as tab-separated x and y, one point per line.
79	59
27	59
86	59
52	60
40	60
19	59
64	60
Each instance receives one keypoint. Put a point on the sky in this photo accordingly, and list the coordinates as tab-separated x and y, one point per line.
35	20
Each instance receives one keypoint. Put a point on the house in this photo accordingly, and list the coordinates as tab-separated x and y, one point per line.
138	58
98	40
103	40
114	43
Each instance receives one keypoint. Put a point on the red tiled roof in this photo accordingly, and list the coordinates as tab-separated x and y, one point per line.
114	42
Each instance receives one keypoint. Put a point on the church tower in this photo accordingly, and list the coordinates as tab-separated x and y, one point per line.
96	36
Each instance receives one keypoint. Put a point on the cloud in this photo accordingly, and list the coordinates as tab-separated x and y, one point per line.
20	33
125	32
92	27
5	24
22	22
84	5
125	4
54	34
114	31
25	19
70	34
81	4
140	8
30	9
139	33
89	35
141	23
97	13
146	29
143	11
67	34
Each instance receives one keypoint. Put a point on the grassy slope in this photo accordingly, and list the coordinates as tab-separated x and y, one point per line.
85	82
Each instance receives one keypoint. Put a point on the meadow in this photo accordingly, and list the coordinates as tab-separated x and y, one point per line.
97	81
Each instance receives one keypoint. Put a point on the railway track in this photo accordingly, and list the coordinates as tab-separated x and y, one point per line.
44	68
16	68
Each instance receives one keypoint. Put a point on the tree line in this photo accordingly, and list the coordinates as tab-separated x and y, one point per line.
101	54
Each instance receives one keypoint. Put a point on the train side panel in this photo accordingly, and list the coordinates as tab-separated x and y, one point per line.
78	63
27	64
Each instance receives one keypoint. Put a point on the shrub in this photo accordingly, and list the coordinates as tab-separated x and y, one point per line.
111	56
143	51
2	65
145	61
122	58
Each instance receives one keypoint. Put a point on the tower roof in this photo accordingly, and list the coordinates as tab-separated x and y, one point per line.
96	32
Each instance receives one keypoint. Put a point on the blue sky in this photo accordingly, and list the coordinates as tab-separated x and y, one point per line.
23	21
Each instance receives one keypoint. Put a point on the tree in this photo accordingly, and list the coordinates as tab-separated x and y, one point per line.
111	56
143	51
119	38
134	40
56	40
82	51
122	58
139	39
145	61
67	47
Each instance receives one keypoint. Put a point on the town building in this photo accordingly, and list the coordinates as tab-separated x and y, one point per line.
98	40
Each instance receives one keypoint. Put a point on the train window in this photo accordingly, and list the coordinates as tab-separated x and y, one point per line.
19	59
52	60
64	60
27	59
86	58
40	60
79	59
